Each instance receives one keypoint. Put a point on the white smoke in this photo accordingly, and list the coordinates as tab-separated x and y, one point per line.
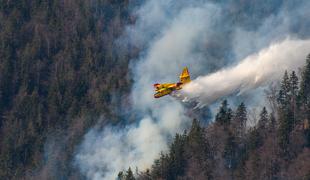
104	153
256	70
112	150
174	34
170	52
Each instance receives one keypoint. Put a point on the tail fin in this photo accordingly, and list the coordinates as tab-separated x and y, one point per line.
185	77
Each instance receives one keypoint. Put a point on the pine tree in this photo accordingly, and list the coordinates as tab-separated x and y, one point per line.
199	151
177	156
263	119
286	108
304	98
294	94
286	114
161	168
129	175
293	84
240	119
235	147
272	122
196	140
120	176
284	93
304	93
224	115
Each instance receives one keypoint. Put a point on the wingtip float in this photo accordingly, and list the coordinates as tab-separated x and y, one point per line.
167	88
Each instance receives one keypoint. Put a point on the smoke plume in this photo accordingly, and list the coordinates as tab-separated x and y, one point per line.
210	38
255	70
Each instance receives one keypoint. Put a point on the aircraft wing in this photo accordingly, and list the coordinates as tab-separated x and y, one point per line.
164	86
171	86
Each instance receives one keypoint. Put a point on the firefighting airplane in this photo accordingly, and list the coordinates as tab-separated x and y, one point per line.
165	89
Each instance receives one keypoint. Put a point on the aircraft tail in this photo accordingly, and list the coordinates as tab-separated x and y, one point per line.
185	77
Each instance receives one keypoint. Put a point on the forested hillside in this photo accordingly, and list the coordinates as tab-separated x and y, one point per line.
59	71
67	69
275	146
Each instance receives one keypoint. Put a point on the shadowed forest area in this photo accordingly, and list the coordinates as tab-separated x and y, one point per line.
59	71
275	146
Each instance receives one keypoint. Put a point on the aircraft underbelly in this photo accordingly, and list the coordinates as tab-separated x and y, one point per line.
162	93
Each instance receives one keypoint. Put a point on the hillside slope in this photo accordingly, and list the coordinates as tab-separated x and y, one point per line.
59	71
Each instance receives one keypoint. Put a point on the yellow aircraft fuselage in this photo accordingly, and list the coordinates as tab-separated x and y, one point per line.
167	88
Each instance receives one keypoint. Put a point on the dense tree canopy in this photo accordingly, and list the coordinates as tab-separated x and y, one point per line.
58	72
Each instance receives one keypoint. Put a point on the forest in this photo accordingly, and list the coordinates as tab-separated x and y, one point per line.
275	147
62	70
59	71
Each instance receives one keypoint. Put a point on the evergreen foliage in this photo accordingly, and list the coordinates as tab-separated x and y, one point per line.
58	73
129	175
239	120
263	119
304	93
224	115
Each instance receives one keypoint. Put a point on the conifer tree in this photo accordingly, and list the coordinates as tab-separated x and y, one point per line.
224	115
272	122
294	94
177	156
304	93
284	93
240	119
304	98
286	114
199	150
120	176
196	140
293	84
263	119
129	175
